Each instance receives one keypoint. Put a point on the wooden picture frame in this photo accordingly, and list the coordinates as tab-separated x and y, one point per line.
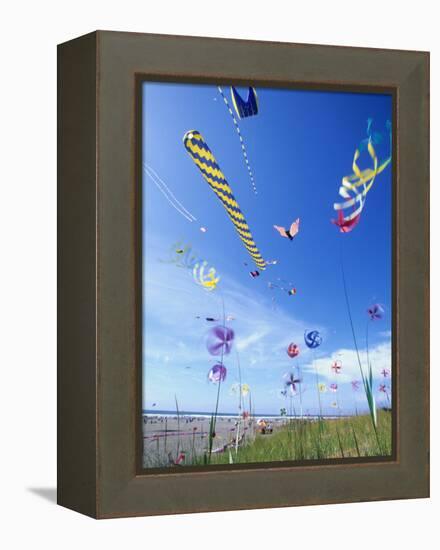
99	336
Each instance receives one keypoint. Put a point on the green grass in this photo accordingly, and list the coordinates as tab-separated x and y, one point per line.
306	440
297	440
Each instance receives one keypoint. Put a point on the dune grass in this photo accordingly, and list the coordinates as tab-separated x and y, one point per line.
308	440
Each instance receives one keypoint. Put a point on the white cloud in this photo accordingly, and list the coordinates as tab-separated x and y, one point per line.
173	302
244	343
171	329
379	355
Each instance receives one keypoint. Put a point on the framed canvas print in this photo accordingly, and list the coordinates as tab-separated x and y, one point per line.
243	274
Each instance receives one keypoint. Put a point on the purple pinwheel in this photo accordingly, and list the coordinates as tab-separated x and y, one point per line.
375	312
333	387
219	340
355	385
385	373
217	373
383	388
291	382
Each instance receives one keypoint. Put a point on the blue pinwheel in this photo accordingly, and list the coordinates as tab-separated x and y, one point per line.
312	339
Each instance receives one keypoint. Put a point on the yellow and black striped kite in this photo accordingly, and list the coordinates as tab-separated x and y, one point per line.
205	161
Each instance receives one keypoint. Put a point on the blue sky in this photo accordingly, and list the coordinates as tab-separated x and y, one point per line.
300	145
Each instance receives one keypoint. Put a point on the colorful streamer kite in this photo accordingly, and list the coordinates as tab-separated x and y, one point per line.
207	164
355	186
203	274
207	278
240	137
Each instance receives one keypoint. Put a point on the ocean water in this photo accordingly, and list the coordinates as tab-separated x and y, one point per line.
200	414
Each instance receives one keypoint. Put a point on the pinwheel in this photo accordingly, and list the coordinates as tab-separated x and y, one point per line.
355	385
217	373
385	373
245	389
383	388
178	461
219	340
293	350
312	339
291	382
336	367
375	312
333	387
322	388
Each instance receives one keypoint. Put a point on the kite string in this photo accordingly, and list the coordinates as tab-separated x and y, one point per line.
167	197
214	418
240	402
150	168
347	302
240	137
364	378
168	194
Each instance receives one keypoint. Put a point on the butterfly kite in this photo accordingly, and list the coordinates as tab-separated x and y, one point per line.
289	233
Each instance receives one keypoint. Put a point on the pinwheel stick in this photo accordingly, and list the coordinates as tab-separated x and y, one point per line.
367	381
214	418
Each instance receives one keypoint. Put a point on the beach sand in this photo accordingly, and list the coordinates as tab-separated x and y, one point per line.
166	437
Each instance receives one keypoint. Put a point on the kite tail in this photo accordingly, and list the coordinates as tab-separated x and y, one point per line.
240	137
205	161
356	185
